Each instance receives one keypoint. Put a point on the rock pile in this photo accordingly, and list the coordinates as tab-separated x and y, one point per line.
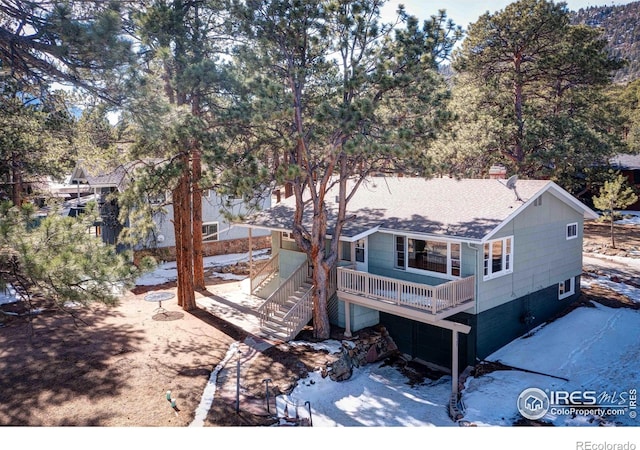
368	347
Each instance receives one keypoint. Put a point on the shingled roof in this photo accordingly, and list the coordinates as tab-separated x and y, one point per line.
625	161
471	209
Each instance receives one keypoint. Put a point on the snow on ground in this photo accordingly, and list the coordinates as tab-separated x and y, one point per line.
622	288
594	349
8	295
630	218
591	349
167	271
374	396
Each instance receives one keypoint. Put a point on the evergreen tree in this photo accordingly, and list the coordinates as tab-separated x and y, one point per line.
538	83
175	113
59	259
344	96
77	43
627	100
614	195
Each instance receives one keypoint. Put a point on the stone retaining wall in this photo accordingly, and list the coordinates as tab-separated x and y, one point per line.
208	248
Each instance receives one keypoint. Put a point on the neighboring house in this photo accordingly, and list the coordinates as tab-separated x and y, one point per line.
629	166
220	236
454	269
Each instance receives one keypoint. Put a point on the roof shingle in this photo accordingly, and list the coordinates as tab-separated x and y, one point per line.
467	208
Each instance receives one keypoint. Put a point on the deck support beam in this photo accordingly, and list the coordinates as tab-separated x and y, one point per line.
454	362
347	319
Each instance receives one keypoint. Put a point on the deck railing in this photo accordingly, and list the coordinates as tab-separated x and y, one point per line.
433	299
265	272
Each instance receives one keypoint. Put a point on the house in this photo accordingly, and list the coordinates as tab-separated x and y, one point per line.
454	269
220	235
629	166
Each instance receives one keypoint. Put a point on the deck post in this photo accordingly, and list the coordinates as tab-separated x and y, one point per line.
347	319
454	362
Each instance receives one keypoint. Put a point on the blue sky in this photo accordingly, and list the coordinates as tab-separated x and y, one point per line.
463	12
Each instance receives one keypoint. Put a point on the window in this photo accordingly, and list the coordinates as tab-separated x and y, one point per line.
538	201
360	250
287	236
400	260
455	260
566	288
431	256
345	251
498	257
572	231
157	198
210	232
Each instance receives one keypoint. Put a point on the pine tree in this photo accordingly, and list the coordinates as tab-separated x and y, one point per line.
615	194
540	81
344	96
175	115
59	258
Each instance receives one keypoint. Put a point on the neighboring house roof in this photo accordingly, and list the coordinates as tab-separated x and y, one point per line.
625	162
468	209
110	177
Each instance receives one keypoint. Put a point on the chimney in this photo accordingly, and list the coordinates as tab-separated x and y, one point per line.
497	172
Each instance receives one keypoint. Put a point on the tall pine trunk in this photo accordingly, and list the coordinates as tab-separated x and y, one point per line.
518	151
321	277
196	196
184	240
198	253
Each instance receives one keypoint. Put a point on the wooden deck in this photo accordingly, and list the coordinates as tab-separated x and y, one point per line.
438	301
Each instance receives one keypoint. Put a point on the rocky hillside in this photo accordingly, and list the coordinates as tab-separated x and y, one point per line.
621	26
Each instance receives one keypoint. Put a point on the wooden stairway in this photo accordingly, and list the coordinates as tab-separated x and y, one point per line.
282	323
263	285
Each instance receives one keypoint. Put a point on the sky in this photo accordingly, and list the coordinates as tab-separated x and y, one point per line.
463	12
591	350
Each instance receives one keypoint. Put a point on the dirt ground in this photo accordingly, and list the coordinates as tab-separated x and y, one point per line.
112	367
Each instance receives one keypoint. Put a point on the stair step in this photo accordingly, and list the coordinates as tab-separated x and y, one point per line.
273	326
274	333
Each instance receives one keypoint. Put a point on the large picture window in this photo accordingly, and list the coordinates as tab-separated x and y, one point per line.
498	257
431	256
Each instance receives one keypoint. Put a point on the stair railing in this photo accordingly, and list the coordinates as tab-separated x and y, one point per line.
265	272
299	315
288	287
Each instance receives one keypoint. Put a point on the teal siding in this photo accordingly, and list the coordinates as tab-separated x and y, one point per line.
289	262
430	343
360	316
290	256
501	325
490	330
542	255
